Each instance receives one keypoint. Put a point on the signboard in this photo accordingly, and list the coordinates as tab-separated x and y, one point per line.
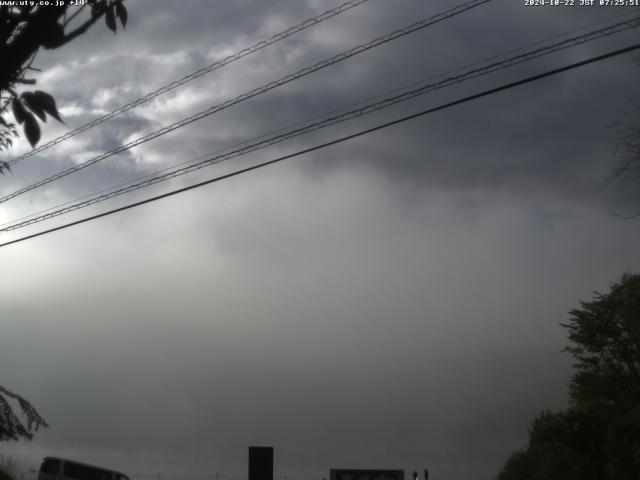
350	474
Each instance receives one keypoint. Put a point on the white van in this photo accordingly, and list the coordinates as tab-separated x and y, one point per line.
54	468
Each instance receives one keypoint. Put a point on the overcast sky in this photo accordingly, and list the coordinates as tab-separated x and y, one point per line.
389	302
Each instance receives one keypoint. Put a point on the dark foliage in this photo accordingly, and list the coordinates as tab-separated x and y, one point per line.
5	475
605	336
23	31
598	436
14	427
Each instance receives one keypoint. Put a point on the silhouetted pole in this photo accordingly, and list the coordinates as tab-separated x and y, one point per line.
260	463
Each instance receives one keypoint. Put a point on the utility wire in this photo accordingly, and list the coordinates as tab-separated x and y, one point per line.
339	140
265	88
203	71
341	109
370	108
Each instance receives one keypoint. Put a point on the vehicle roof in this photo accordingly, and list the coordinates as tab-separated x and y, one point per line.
83	464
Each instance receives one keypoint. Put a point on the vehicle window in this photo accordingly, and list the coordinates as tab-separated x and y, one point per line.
71	470
50	466
79	472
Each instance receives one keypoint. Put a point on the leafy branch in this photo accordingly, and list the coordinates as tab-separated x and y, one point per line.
13	427
23	30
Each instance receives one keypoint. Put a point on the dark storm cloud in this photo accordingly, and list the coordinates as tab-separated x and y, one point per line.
550	136
537	132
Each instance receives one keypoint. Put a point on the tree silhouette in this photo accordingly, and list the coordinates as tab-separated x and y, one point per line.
625	138
24	29
605	336
12	427
5	475
624	135
598	436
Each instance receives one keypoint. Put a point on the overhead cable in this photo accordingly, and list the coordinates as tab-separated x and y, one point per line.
358	112
485	93
192	76
325	114
265	88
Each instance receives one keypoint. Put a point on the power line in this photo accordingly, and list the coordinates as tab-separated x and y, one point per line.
331	121
336	141
265	88
341	109
203	71
128	182
370	108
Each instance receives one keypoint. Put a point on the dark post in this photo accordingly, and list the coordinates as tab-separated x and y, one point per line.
426	474
260	463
